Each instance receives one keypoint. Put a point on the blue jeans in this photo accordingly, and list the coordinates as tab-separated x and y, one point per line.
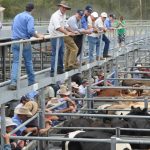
93	42
27	55
60	54
106	47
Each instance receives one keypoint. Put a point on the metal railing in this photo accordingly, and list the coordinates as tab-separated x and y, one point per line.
135	39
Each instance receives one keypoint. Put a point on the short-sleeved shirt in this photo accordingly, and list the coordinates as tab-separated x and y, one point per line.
107	23
63	106
23	26
99	23
74	24
49	92
92	24
84	22
57	20
120	31
17	120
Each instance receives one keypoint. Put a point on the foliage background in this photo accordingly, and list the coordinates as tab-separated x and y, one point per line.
131	9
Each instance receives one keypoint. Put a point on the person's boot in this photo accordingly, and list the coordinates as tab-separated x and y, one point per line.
97	58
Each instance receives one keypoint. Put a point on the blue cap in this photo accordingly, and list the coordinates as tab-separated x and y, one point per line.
80	12
89	8
32	95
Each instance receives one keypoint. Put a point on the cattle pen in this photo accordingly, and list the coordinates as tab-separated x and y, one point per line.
136	50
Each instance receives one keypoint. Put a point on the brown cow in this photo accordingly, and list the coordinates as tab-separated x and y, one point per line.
118	92
122	105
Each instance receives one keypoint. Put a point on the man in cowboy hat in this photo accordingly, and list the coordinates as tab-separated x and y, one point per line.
10	125
56	29
69	105
21	115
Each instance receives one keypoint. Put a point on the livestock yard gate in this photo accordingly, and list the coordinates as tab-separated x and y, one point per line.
135	50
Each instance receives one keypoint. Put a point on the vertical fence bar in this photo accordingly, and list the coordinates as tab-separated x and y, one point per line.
118	132
113	143
56	56
19	66
3	125
81	54
4	63
116	72
105	74
42	115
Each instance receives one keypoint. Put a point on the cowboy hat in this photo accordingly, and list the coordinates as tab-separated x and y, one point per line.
104	14
52	102
63	90
9	122
74	85
64	4
32	106
23	111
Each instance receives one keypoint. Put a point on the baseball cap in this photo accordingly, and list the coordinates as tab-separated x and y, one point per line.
30	6
104	14
112	15
89	8
80	12
94	14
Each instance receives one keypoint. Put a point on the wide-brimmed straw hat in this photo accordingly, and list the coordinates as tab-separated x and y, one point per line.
52	102
32	106
9	122
23	111
64	4
63	90
74	85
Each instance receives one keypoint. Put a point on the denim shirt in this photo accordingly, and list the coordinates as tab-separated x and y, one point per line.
84	22
17	120
23	26
7	147
63	106
107	23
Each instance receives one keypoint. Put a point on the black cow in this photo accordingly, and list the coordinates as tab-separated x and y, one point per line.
92	145
76	122
140	124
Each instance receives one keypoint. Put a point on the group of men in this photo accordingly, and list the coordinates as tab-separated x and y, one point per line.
65	33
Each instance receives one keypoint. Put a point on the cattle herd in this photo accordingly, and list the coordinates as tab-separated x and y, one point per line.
106	134
128	107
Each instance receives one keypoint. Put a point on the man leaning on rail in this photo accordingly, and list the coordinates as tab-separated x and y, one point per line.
57	30
23	28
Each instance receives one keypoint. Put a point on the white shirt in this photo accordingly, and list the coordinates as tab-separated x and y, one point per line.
99	23
49	92
82	89
92	24
57	20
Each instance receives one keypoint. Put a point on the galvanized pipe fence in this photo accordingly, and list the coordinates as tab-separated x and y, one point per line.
42	104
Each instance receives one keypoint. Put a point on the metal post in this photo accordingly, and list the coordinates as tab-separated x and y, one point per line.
41	59
3	63
3	124
100	50
42	106
19	67
113	143
89	95
116	72
126	64
56	56
118	132
81	54
105	74
42	115
146	104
